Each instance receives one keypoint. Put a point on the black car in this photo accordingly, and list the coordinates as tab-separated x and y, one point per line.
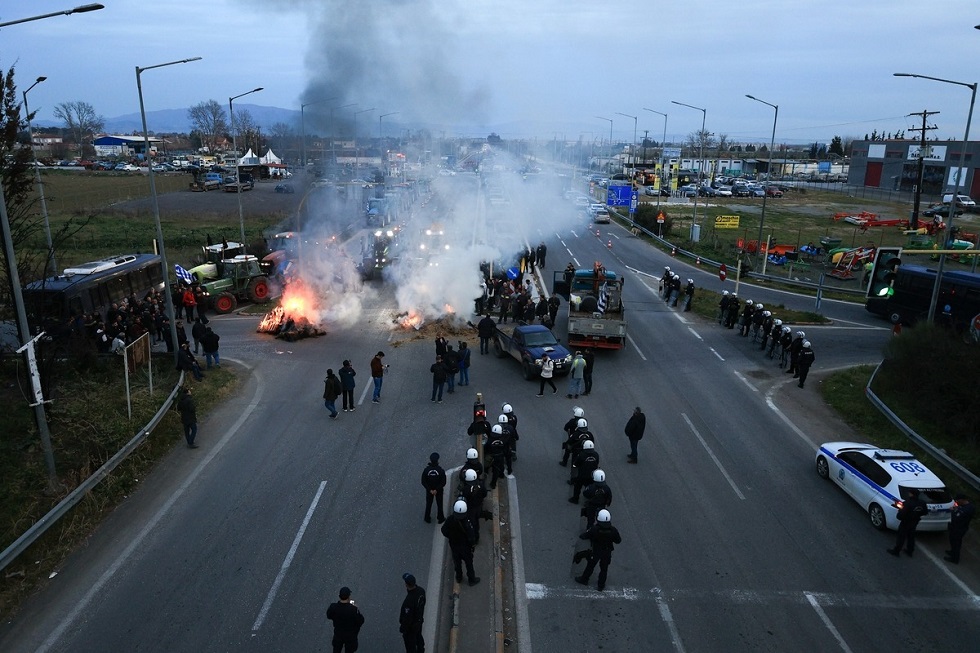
940	210
285	188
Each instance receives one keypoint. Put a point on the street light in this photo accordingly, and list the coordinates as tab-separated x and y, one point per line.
234	145
167	293
697	188
772	154
663	160
302	123
23	327
50	263
355	138
380	137
67	12
610	133
633	145
960	173
332	155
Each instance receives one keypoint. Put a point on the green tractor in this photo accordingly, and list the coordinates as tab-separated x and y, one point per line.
230	280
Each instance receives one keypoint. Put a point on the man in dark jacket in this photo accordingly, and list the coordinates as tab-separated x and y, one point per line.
331	390
347	385
542	254
635	426
347	621
913	509
209	343
187	363
586	462
411	615
597	496
459	531
439	374
188	417
197	332
486	328
604	538
451	360
589	357
804	360
434	482
959	524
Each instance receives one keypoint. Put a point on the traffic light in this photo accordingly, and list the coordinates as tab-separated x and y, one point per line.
887	260
479	408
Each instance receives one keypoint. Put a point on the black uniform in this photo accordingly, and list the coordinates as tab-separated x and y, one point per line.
597	496
913	509
434	482
959	524
462	539
410	620
514	436
689	292
586	462
604	538
774	335
732	316
803	362
745	320
347	621
496	449
794	355
474	492
475	465
486	328
766	331
723	308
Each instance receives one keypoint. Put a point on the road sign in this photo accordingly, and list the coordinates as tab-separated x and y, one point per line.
634	200
660	217
726	222
722	272
618	195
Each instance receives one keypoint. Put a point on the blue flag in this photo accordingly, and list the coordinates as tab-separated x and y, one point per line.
183	274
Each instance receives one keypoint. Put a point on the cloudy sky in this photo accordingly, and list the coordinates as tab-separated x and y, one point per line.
524	68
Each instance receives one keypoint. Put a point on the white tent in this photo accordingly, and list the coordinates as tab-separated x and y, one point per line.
270	157
249	159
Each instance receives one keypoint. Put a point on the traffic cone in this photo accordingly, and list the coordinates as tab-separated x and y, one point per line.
698	262
597	234
673	251
609	244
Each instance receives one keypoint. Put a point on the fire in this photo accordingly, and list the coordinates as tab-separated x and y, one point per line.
413	319
296	316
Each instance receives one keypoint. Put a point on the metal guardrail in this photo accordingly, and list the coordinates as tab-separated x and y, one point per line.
44	523
962	472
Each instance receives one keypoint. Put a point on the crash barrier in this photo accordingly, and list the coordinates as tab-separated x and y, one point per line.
44	523
962	472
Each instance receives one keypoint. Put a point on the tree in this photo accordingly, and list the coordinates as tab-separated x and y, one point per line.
81	120
210	122
493	139
837	146
249	133
281	132
696	141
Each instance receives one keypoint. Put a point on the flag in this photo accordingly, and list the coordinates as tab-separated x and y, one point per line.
183	274
602	299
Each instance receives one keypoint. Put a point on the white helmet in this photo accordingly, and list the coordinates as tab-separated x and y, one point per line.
469	475
777	322
766	313
471	454
724	293
506	409
603	516
667	268
598	476
588	444
677	276
800	334
578	411
582	423
786	329
748	301
459	507
502	419
691	281
806	344
497	429
758	307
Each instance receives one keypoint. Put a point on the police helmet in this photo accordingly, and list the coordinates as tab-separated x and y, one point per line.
778	322
598	476
724	293
506	409
469	475
502	419
677	276
582	423
459	507
786	330
667	268
588	444
806	344
800	334
497	429
766	313
748	302
758	307
578	411
471	454
734	295
603	516
690	281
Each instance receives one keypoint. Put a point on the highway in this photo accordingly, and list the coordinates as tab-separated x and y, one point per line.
731	542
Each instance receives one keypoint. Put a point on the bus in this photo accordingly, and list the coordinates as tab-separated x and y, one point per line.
911	292
90	288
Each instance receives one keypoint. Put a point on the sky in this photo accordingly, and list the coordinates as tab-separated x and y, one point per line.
543	69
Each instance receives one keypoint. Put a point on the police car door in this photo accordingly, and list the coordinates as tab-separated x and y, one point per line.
844	474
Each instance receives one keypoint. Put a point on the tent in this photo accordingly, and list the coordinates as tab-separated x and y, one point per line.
270	157
249	159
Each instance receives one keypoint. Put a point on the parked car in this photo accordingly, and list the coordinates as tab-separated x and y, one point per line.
941	210
741	190
772	191
756	191
650	190
723	191
126	167
285	188
687	191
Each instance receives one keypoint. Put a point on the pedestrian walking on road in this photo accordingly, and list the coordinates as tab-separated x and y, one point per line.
589	357
331	390
439	376
604	538
412	615
378	369
486	328
188	417
464	363
434	482
635	426
959	525
576	376
347	385
347	621
459	531
547	371
912	510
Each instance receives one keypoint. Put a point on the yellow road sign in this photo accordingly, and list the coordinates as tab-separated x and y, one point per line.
726	222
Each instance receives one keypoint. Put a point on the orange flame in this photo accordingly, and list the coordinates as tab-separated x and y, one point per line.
412	320
298	303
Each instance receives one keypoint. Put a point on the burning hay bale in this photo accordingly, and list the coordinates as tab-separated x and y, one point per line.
449	326
288	327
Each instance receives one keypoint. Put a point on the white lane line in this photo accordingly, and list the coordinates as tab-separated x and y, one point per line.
436	559
646	274
82	605
711	453
949	574
517	559
695	333
712	350
271	597
745	381
827	622
786	420
633	342
665	614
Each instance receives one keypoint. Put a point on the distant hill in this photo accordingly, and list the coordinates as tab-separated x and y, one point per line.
176	120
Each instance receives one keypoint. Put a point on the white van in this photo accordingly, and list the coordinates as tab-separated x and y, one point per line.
961	200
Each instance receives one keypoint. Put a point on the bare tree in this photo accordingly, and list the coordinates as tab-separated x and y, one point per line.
249	133
80	119
281	132
698	140
210	122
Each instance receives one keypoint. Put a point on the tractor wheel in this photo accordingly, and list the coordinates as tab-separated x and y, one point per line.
225	303
258	290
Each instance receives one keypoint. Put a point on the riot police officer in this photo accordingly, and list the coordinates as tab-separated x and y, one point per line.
496	449
597	496
586	462
459	531
604	538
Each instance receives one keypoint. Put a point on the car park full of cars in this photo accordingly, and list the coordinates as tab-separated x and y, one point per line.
880	480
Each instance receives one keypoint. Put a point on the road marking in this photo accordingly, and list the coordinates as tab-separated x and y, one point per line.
827	622
665	614
744	380
712	350
517	553
633	342
289	560
711	453
693	332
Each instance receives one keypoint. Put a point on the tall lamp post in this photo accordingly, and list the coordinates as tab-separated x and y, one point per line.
610	133
697	188
234	145
772	155
168	297
302	123
50	263
23	327
381	137
355	138
633	144
663	159
960	173
332	154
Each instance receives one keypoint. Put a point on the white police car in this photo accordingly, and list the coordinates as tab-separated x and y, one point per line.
881	479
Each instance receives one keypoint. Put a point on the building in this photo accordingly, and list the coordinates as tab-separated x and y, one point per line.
110	146
894	165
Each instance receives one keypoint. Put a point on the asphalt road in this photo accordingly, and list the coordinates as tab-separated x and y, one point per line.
730	540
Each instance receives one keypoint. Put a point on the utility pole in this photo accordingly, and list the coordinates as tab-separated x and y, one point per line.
914	222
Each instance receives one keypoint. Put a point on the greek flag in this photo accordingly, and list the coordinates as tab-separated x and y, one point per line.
183	274
602	299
